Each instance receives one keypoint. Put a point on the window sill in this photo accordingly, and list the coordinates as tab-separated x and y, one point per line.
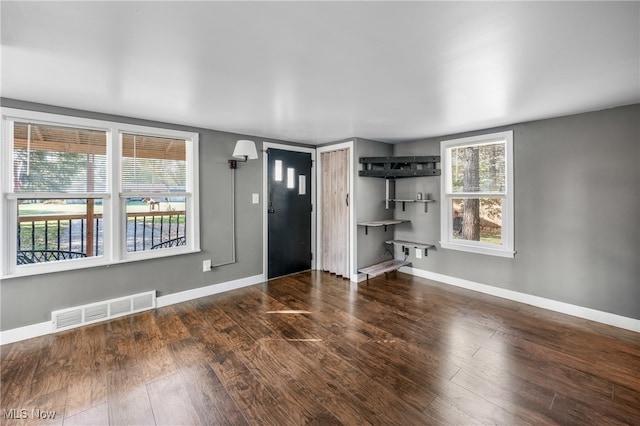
78	264
478	249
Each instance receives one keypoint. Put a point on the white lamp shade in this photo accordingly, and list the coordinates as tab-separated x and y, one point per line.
245	149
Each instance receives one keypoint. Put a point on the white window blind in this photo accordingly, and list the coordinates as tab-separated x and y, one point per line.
153	164
81	192
58	159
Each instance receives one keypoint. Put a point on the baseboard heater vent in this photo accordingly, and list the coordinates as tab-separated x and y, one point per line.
65	319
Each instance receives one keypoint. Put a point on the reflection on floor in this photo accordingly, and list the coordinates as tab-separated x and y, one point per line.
311	349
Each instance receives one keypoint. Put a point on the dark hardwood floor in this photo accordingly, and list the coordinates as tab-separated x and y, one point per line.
309	350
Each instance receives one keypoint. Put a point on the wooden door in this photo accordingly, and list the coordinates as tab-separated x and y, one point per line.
335	212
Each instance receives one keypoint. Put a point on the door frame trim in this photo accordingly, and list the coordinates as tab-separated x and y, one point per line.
265	198
352	228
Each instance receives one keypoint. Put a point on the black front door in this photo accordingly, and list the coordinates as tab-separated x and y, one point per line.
289	212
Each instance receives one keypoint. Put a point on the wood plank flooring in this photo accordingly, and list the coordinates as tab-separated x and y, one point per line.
309	349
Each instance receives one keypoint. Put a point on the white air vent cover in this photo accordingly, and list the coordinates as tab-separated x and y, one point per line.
144	301
70	318
95	313
65	319
120	307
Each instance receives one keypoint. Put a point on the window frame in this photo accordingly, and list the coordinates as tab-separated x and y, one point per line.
507	248
114	215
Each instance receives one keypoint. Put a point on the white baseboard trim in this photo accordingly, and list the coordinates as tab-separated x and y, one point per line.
24	333
43	328
619	321
183	296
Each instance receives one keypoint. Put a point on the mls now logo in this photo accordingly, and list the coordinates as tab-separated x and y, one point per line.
21	413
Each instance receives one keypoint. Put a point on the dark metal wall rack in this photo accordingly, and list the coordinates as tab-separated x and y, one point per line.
400	167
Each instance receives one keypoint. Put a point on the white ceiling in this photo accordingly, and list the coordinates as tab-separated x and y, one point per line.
317	72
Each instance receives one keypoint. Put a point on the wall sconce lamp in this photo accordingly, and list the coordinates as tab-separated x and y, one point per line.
244	150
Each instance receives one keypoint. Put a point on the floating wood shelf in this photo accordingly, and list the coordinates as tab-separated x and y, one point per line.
397	200
406	244
383	267
399	167
377	223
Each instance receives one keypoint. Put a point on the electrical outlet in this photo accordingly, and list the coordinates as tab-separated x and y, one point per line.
206	265
418	253
255	198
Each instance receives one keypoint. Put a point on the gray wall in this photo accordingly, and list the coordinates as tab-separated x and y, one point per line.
577	209
577	200
370	193
30	300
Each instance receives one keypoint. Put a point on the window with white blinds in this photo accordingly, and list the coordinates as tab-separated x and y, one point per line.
49	158
80	192
154	192
153	164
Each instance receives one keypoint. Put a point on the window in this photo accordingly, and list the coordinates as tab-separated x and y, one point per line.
154	182
477	188
78	192
50	162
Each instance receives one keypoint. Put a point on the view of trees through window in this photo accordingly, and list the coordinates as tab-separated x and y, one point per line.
478	178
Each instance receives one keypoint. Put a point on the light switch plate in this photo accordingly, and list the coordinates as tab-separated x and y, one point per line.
255	198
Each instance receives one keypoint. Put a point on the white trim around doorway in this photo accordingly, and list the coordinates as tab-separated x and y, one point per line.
352	228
